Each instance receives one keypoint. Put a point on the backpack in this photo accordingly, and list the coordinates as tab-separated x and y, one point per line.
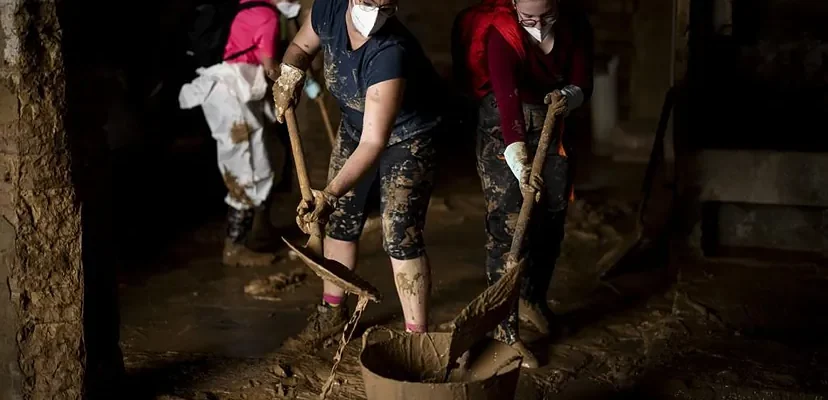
211	30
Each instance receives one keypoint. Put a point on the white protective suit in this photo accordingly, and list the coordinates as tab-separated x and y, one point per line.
232	98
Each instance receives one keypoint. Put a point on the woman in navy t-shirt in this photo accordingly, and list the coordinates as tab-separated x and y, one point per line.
389	95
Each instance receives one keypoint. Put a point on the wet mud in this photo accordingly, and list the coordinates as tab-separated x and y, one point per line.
347	333
632	334
717	330
413	366
273	286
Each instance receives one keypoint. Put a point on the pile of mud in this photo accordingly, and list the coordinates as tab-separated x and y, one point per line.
271	287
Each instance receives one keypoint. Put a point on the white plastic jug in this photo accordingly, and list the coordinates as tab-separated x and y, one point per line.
604	107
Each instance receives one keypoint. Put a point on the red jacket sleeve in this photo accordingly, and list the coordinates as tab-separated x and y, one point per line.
504	66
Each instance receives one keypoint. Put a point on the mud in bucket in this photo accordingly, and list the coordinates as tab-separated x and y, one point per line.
412	366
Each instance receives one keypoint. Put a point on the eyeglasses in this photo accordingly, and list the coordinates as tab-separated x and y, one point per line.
530	23
369	6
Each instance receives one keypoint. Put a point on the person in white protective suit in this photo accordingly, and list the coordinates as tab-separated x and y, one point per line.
233	97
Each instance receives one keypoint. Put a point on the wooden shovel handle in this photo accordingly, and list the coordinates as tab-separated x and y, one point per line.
298	155
537	167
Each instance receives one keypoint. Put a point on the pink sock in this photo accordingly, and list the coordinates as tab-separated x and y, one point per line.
332	300
415	328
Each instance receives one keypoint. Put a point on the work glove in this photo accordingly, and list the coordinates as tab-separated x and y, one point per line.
571	97
518	162
558	101
312	88
286	89
315	213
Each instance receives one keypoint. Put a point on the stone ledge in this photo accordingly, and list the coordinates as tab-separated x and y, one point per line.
762	177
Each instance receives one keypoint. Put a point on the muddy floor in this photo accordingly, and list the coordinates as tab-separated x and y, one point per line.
669	327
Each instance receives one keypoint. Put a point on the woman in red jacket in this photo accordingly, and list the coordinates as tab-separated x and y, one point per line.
517	56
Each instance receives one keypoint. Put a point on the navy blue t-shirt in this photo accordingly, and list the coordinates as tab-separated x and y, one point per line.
391	53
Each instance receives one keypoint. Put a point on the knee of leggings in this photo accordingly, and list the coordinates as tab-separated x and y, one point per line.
345	229
404	248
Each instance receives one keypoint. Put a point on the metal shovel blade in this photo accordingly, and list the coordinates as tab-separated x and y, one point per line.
336	273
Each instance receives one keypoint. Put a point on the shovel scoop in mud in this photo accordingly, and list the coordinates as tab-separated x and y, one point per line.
311	254
335	273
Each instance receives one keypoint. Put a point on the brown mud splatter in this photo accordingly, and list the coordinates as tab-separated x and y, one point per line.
234	189
240	132
409	286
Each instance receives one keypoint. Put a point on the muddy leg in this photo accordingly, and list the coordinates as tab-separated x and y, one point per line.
546	228
413	281
248	177
546	234
346	253
501	193
503	199
346	222
406	182
341	244
236	253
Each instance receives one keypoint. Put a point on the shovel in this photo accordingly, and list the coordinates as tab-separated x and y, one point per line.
492	306
311	254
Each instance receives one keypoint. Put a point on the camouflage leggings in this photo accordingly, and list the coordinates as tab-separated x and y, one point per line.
503	201
404	179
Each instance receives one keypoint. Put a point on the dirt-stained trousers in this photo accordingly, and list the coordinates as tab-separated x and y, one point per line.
503	200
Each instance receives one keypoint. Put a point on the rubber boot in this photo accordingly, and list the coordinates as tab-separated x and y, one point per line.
236	254
533	308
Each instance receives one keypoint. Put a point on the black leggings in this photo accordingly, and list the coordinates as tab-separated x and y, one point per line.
403	179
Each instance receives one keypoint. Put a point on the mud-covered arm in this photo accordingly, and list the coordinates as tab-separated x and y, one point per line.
385	78
504	65
382	104
304	47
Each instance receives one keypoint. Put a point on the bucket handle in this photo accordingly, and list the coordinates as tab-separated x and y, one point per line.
371	330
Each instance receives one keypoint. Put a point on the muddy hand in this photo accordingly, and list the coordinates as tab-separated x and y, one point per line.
531	184
305	207
317	213
558	101
287	89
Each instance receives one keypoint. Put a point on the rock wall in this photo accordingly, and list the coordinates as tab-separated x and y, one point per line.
41	327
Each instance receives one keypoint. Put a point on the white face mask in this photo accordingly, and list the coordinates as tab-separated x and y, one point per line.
367	22
539	34
289	9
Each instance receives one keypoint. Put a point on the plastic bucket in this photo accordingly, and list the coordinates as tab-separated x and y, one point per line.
412	366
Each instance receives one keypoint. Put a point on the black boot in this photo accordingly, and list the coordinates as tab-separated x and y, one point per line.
534	309
236	253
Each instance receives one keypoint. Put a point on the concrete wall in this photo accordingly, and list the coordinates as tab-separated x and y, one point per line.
41	331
